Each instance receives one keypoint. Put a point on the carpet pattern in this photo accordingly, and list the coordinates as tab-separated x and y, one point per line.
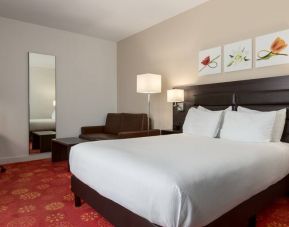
38	193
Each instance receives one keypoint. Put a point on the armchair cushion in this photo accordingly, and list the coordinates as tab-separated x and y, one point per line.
98	136
119	126
134	134
92	129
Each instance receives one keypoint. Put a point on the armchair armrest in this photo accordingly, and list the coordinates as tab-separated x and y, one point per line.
143	133
92	129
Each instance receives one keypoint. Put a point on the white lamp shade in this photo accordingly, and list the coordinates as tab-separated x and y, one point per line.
175	95
149	83
54	103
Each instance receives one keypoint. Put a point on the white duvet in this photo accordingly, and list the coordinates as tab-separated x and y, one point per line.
179	180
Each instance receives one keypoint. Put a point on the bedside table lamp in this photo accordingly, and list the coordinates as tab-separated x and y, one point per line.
149	84
176	96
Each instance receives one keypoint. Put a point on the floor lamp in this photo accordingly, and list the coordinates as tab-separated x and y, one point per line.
149	84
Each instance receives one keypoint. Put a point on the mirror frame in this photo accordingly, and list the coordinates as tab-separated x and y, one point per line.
55	108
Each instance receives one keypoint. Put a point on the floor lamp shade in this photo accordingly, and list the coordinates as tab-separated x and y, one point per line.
149	83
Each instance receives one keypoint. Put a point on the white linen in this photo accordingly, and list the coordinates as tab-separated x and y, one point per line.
230	108
41	125
250	127
278	124
202	123
180	179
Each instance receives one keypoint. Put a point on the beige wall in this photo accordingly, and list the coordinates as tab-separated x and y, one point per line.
171	49
85	82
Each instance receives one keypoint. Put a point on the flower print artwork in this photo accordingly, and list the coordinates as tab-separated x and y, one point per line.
277	46
238	56
272	49
207	62
210	61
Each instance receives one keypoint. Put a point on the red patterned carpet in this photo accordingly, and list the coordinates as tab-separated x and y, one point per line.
37	194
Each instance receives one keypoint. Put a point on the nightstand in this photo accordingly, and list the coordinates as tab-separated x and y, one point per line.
169	131
61	147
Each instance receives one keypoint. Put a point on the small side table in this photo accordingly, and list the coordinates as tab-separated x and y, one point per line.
61	147
169	131
42	140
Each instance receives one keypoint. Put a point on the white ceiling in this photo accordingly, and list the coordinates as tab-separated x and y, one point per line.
108	19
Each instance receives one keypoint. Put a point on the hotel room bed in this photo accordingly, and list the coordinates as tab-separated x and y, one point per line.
179	180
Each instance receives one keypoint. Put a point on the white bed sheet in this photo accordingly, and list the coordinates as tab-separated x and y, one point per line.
179	180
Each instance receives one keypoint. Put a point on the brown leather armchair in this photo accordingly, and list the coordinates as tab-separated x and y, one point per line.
119	126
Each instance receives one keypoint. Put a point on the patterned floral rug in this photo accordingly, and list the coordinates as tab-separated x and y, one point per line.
37	193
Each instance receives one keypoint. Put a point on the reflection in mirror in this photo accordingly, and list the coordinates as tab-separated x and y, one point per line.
42	104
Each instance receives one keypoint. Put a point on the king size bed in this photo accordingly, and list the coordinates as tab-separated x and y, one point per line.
183	179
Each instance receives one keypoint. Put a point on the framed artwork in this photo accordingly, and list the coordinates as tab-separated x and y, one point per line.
272	49
238	56
210	61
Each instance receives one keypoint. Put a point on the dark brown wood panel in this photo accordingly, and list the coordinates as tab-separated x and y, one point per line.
275	97
213	99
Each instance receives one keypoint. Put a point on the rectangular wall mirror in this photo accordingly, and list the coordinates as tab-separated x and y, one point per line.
42	102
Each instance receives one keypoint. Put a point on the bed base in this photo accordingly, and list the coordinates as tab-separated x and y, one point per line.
240	216
113	212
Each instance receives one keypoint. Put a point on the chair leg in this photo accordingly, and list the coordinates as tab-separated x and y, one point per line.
2	169
252	221
77	200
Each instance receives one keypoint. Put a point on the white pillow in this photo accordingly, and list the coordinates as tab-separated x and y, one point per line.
248	127
202	123
230	108
278	124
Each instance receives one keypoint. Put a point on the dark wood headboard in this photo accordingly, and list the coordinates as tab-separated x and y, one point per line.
260	94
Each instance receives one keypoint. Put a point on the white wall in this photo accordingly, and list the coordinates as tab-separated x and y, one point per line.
85	82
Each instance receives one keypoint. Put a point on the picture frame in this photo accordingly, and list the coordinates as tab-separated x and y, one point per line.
272	49
238	56
210	61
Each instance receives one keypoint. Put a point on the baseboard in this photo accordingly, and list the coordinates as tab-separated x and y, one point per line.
24	158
